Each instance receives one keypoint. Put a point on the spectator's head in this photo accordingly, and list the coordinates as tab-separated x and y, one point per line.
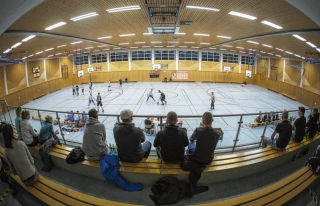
8	135
98	93
18	111
315	110
207	118
48	118
285	115
212	93
93	113
126	115
159	91
25	114
301	110
172	118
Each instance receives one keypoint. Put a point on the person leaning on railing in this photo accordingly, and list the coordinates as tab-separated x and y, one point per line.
312	126
46	130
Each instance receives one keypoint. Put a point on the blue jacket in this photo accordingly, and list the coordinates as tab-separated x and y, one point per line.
109	166
46	132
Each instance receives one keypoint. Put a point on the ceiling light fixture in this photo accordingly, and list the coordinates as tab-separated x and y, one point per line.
28	38
96	50
49	49
227	45
134	47
156	42
55	25
204	43
140	42
266	45
157	46
225	37
123	43
289	52
195	47
234	13
105	49
318	49
242	52
102	46
297	55
126	8
202	8
189	42
84	16
222	49
278	55
6	51
116	48
61	46
253	42
122	35
58	54
173	42
24	58
50	55
197	34
271	24
312	45
77	42
183	46
39	52
147	33
89	47
238	47
179	33
171	46
299	37
145	46
31	55
270	53
105	37
16	44
233	50
279	49
212	48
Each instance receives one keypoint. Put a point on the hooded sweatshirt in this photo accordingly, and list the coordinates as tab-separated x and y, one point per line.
94	138
27	132
128	140
172	142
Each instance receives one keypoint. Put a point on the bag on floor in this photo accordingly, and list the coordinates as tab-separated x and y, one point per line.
76	155
314	164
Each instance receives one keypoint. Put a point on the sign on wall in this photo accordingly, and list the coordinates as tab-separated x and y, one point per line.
177	75
36	72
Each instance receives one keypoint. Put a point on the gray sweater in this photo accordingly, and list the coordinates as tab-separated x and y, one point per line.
20	160
27	131
94	138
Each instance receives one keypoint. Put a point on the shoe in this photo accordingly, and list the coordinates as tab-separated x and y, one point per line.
165	102
162	104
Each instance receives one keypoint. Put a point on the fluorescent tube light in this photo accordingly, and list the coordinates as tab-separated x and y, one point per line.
24	58
272	24
134	47
234	13
183	46
50	55
299	37
39	52
122	35
61	46
266	45
242	52
49	49
312	45
55	25
105	37
195	47
297	55
227	45
318	49
17	44
270	53
205	43
222	49
253	42
238	47
145	46
28	38
233	50
116	48
141	42
279	49
84	16
123	43
303	58
105	49
58	54
197	34
126	8
156	42
225	37
7	50
262	52
147	33
31	55
251	50
171	46
202	8
180	33
212	48
289	52
89	47
96	50
77	42
173	42
157	46
102	46
278	55
189	42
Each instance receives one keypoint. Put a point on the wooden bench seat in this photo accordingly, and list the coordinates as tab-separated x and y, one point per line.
277	193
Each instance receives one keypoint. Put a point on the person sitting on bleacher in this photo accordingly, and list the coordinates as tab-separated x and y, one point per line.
66	117
284	130
77	118
259	118
318	151
29	135
171	141
312	125
46	130
84	117
299	126
94	143
71	116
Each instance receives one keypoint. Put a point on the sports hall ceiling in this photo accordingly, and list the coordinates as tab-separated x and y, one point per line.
294	16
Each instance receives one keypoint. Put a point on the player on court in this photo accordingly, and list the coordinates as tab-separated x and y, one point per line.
99	102
162	97
120	82
212	99
109	86
150	95
91	100
82	89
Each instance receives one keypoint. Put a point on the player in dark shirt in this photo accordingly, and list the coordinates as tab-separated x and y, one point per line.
299	126
162	97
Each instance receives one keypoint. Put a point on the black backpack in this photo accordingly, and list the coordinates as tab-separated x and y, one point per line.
314	164
76	155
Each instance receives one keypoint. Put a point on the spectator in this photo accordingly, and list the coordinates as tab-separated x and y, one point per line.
19	158
148	123
18	122
312	126
299	126
318	151
71	116
77	118
84	117
29	135
66	117
46	130
259	118
171	141
284	130
94	142
128	139
206	139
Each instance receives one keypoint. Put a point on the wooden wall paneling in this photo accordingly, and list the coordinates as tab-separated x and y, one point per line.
33	80
16	78
210	66
102	65
141	65
2	83
292	75
234	66
262	68
53	69
311	80
69	62
171	63
188	65
119	66
277	63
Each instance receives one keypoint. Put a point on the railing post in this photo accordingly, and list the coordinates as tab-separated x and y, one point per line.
39	117
237	137
264	131
58	118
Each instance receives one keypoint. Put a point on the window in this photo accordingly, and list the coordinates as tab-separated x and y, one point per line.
231	58
188	55
118	56
164	55
79	60
98	58
210	56
249	60
141	55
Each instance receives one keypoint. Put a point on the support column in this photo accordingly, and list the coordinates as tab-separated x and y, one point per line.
45	70
89	60
239	63
26	70
60	67
108	62
284	69
5	78
177	60
200	60
221	60
129	60
302	73
152	56
268	68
